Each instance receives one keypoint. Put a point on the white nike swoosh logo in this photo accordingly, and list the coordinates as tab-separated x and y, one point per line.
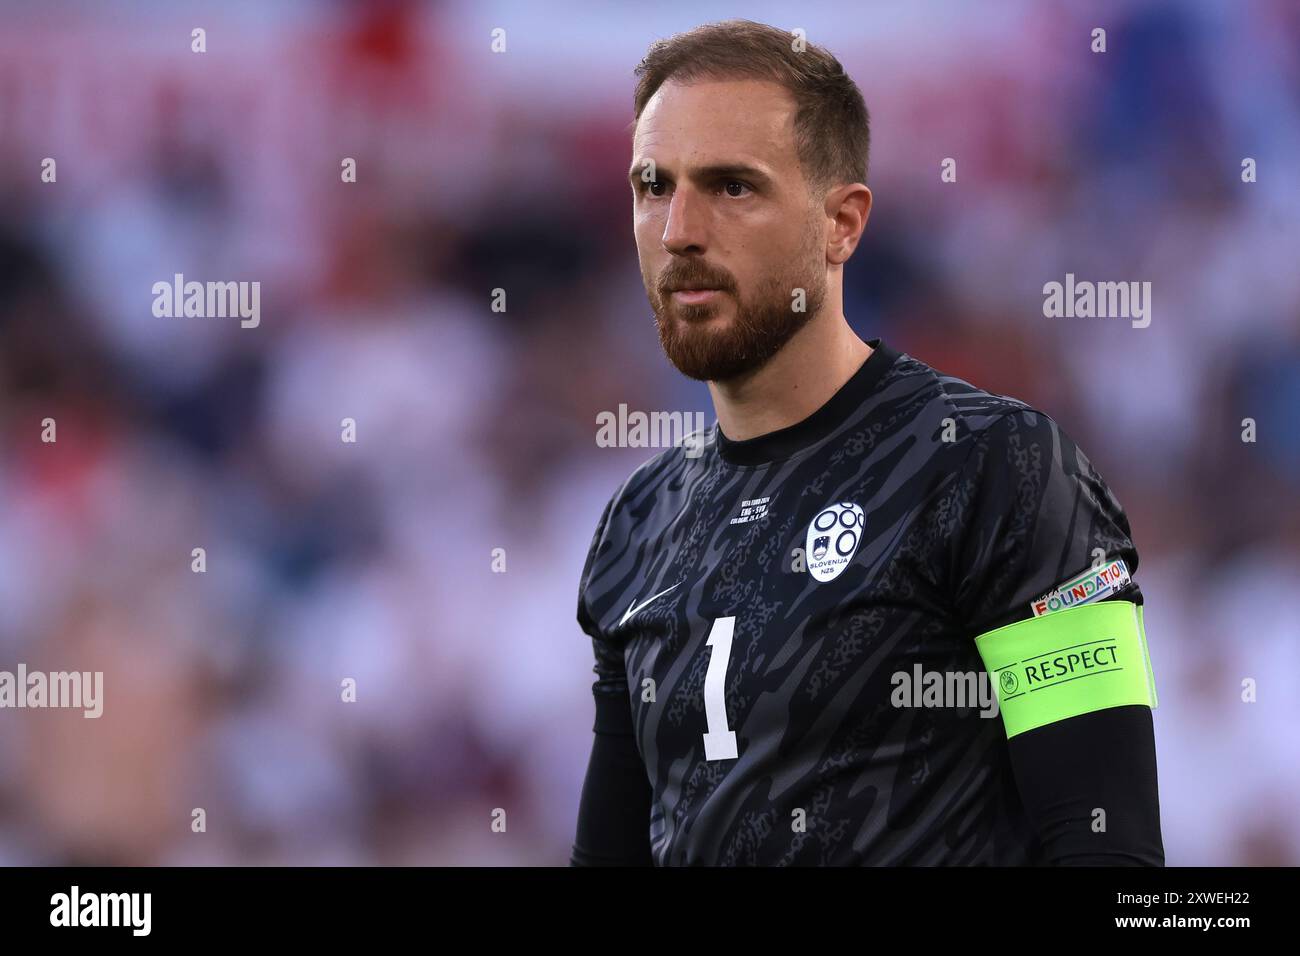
635	607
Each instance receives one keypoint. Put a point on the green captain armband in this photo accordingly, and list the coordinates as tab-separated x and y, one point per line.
1069	662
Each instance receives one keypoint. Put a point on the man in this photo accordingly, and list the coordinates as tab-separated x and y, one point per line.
791	620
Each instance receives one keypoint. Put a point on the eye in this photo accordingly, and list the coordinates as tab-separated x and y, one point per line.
738	185
653	185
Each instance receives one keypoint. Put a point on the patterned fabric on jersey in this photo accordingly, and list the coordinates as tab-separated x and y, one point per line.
970	506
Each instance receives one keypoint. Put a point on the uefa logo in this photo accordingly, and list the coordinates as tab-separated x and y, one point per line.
832	539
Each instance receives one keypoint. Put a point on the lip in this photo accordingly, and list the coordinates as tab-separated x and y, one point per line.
695	296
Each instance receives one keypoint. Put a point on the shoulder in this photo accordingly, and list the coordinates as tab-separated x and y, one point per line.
969	420
656	480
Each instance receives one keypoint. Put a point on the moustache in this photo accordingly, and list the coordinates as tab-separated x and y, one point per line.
693	277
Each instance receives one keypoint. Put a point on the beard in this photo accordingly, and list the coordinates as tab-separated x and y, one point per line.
710	351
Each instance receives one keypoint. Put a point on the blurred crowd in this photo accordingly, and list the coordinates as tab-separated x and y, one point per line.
475	427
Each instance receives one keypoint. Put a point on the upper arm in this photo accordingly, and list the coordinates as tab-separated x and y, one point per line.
611	677
1031	514
1072	672
614	808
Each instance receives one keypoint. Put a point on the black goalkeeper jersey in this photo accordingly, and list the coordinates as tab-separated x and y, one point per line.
753	603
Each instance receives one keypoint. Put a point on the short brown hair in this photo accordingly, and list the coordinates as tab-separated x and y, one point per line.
832	128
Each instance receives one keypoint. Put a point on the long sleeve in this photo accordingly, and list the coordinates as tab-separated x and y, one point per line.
1089	787
613	826
614	812
1037	517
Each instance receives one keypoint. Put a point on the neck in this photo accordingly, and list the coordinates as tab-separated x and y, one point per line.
794	383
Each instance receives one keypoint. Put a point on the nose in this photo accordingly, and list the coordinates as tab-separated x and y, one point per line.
686	230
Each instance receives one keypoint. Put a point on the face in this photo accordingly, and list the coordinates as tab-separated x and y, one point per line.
727	229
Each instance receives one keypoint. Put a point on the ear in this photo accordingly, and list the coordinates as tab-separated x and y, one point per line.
848	207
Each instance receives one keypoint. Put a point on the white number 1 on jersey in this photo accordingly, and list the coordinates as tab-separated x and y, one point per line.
719	742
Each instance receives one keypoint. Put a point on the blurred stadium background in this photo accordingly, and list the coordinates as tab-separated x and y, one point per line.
476	429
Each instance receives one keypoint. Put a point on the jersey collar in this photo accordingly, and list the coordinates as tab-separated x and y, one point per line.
785	442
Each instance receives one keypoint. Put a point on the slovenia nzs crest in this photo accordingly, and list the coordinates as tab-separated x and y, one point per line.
832	539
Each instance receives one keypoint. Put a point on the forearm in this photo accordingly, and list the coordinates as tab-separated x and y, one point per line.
614	811
1101	761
